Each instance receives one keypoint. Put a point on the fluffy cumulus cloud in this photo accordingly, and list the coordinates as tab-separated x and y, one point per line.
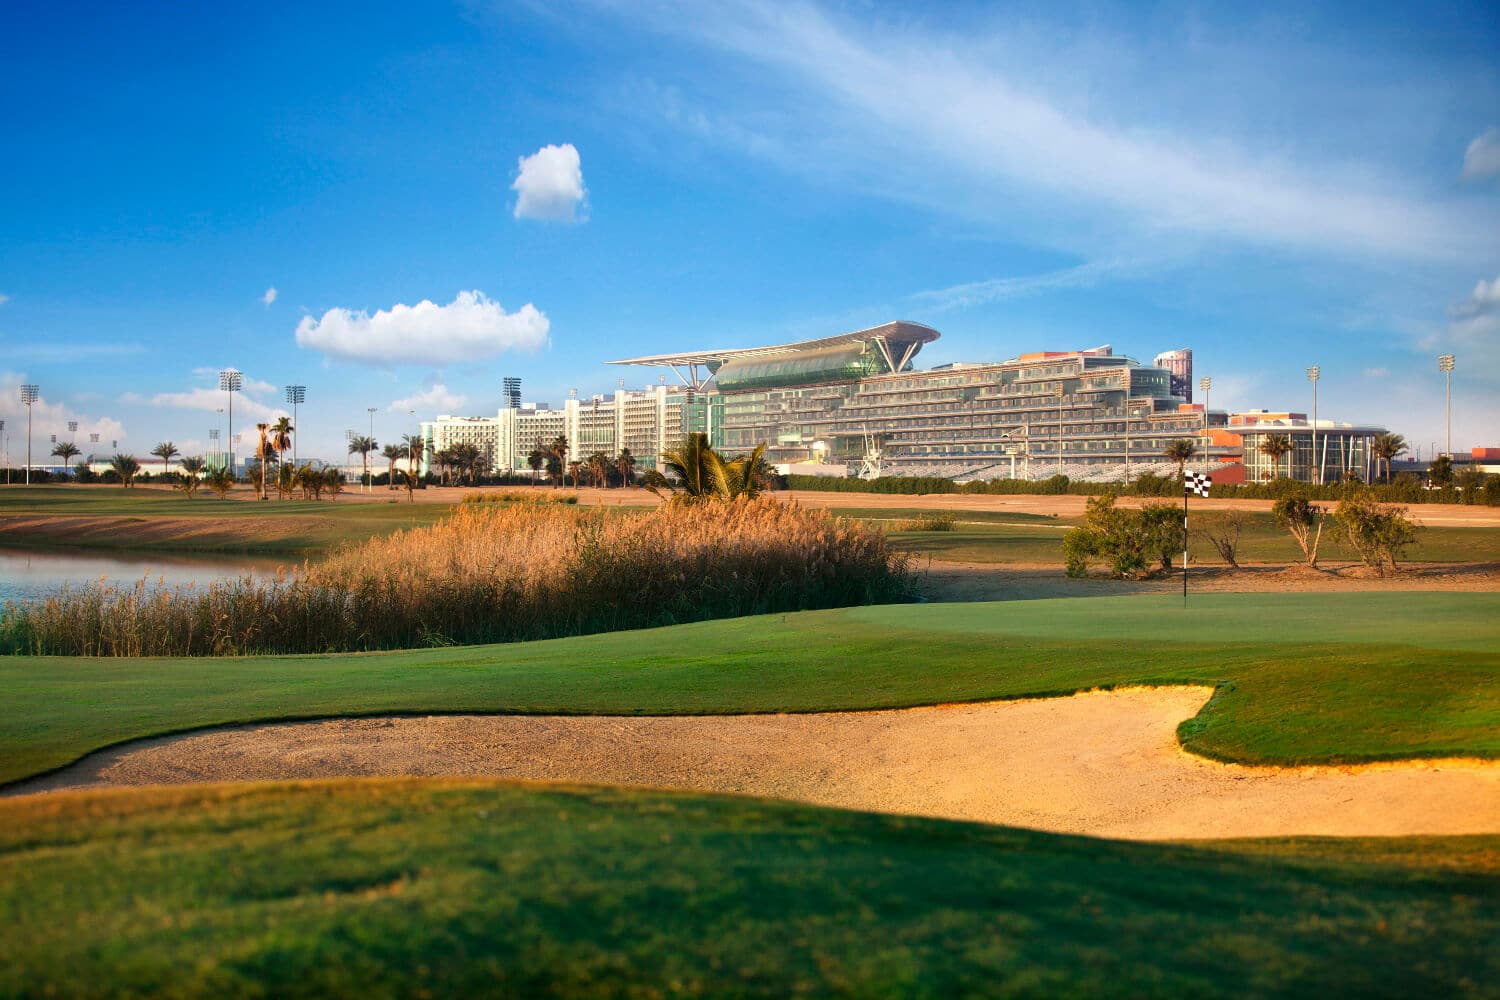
1485	301
1482	158
211	399
469	328
269	296
48	418
550	185
434	400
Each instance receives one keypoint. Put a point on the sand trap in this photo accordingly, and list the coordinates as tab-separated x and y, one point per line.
1102	763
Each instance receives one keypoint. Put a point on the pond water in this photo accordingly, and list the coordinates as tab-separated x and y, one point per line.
31	573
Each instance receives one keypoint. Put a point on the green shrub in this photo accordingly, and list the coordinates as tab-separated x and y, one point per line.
1134	543
1378	532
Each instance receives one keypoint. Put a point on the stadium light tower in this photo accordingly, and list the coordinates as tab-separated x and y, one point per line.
5	446
1313	374
370	480
296	395
1445	365
29	394
231	381
1205	383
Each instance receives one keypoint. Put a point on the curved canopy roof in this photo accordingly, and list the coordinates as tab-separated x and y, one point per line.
901	338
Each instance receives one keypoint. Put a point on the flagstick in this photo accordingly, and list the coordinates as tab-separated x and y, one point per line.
1184	542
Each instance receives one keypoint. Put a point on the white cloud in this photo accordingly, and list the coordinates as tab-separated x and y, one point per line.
130	397
4	299
1482	158
1377	372
212	399
269	296
48	418
954	122
998	289
1484	301
470	328
550	185
435	400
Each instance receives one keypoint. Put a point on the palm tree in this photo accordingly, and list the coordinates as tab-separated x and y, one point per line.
280	438
265	453
166	451
1180	451
1273	447
67	451
599	468
363	446
221	481
703	473
536	459
191	469
625	462
559	451
413	446
126	467
1385	448
392	453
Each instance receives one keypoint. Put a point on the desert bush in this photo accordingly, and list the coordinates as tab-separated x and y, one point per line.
491	573
939	520
1304	520
1378	532
1222	531
1135	543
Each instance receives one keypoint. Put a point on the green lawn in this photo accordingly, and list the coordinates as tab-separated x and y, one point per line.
460	888
1302	677
276	527
1262	541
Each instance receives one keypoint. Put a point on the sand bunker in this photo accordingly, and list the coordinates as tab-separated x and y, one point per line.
1102	763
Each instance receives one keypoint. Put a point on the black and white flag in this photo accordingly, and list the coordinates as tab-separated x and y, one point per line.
1197	482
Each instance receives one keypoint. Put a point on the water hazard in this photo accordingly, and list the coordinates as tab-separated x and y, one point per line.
27	574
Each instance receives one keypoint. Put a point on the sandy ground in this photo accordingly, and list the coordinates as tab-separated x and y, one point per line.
968	581
1101	763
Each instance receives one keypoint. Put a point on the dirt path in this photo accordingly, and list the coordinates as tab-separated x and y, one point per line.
1100	763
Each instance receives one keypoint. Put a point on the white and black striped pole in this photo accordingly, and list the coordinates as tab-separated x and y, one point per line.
1192	482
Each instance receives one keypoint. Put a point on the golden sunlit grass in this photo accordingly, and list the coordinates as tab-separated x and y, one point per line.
491	573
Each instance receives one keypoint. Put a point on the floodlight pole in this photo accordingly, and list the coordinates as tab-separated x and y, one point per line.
295	394
1205	383
1313	375
369	479
29	394
231	381
1445	365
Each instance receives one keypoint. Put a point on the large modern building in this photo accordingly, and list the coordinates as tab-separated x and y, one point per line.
857	403
857	400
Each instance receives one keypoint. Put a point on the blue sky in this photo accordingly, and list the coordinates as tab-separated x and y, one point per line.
567	183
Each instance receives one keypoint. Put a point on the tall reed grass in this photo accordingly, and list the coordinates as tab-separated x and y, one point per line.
491	573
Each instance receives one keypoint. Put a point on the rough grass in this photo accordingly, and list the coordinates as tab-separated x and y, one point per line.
1260	541
464	888
1302	678
490	573
938	520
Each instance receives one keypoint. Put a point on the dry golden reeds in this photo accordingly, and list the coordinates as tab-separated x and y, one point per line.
491	573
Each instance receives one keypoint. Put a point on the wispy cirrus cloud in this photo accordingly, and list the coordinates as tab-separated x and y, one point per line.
50	353
941	119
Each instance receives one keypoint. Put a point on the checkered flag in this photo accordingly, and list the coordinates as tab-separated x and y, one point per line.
1197	482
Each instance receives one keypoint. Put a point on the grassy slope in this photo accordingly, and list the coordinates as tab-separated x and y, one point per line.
1262	541
292	527
1306	677
452	888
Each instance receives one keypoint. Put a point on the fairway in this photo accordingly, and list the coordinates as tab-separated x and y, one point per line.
1301	678
449	888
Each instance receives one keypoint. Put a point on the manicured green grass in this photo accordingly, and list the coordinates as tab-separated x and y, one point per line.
1262	541
461	888
1302	678
302	527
